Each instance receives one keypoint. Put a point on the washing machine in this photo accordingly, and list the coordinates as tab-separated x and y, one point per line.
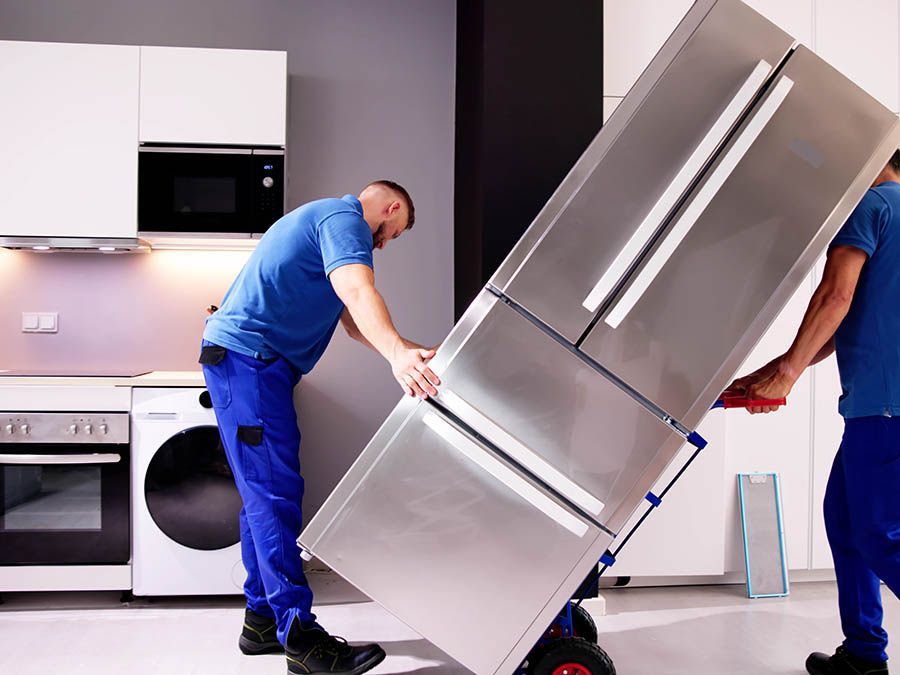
185	506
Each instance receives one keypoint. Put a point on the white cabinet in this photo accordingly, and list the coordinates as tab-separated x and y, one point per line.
827	432
860	39
68	139
633	31
216	96
684	535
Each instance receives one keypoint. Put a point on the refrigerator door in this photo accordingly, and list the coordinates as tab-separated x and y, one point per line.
554	414
751	231
454	540
619	194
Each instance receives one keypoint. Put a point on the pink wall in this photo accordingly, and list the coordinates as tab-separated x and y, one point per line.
141	311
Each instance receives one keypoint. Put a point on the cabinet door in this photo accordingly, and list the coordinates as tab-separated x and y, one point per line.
633	31
860	40
68	139
688	521
828	428
215	96
778	442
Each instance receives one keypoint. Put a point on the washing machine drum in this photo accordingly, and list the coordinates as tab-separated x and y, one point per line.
190	491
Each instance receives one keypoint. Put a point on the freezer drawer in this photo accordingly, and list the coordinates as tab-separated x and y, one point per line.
555	415
751	231
453	540
619	193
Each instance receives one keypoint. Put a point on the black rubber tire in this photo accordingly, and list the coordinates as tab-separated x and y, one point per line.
583	624
573	650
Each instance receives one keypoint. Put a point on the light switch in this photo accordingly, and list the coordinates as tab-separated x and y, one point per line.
47	322
30	322
40	322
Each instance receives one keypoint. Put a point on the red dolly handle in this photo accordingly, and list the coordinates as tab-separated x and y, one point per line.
740	400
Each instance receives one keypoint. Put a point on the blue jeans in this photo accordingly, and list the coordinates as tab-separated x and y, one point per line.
253	402
862	518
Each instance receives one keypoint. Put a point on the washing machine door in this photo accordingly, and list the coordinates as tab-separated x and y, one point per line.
190	491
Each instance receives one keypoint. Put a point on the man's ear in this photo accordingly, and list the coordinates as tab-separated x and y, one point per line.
393	207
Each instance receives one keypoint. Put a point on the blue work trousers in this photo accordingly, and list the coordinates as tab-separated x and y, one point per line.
253	402
862	518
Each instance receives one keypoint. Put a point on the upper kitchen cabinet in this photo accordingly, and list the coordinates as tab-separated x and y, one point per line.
860	40
214	96
68	138
633	31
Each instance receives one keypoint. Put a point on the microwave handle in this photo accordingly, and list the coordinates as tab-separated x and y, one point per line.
196	150
92	458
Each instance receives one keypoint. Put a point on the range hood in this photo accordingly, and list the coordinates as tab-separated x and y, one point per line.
75	244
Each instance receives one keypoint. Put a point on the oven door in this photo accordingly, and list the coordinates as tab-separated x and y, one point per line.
209	190
64	504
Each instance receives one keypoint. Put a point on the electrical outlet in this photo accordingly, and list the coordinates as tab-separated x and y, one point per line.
40	322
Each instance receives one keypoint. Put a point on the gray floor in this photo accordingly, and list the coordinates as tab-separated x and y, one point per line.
697	630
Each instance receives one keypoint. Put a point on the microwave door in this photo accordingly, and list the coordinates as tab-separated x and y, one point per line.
191	190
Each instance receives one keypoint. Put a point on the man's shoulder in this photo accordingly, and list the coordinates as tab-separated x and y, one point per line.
884	195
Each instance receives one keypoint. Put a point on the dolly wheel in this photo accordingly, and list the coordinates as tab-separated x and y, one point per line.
573	656
583	626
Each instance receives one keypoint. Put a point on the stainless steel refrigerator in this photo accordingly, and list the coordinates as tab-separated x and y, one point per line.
601	342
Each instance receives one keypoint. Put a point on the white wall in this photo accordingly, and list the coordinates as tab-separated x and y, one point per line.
701	515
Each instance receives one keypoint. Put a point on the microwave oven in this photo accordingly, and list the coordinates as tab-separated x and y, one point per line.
209	190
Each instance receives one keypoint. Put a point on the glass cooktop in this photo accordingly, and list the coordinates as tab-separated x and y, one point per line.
72	372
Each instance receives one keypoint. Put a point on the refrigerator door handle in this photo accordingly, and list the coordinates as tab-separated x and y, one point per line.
695	209
504	474
521	453
679	184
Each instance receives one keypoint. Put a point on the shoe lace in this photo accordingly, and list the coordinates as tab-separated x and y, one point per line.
332	645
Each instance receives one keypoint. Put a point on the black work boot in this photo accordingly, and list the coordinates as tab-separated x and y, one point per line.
311	651
843	663
259	635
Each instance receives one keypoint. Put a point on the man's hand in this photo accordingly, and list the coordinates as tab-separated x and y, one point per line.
773	381
408	365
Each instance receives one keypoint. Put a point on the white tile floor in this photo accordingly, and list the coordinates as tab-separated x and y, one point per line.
674	631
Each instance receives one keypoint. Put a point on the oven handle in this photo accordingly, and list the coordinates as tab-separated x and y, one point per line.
92	458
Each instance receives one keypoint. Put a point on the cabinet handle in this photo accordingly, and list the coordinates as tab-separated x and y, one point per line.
679	184
93	458
695	209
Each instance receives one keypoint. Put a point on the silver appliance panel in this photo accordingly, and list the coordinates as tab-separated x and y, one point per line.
631	176
81	428
732	256
446	526
555	415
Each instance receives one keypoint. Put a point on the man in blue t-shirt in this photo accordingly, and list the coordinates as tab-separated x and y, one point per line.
311	270
855	314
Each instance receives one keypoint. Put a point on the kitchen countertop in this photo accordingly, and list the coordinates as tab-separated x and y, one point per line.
157	378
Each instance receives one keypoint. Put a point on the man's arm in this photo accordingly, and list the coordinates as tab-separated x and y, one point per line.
815	337
355	286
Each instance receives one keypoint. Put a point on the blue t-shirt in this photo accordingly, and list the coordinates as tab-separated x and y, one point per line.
282	303
867	343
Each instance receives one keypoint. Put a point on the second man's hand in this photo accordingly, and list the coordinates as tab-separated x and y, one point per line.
410	369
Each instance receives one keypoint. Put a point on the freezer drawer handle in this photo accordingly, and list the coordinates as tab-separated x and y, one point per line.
522	454
679	184
695	209
93	458
505	475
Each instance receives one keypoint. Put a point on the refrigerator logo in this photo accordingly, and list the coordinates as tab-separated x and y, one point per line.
806	152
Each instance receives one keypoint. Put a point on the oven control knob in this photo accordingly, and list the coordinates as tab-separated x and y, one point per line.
268	181
103	429
73	429
88	429
10	429
25	429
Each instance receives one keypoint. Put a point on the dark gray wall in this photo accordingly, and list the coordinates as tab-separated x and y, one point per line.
371	96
